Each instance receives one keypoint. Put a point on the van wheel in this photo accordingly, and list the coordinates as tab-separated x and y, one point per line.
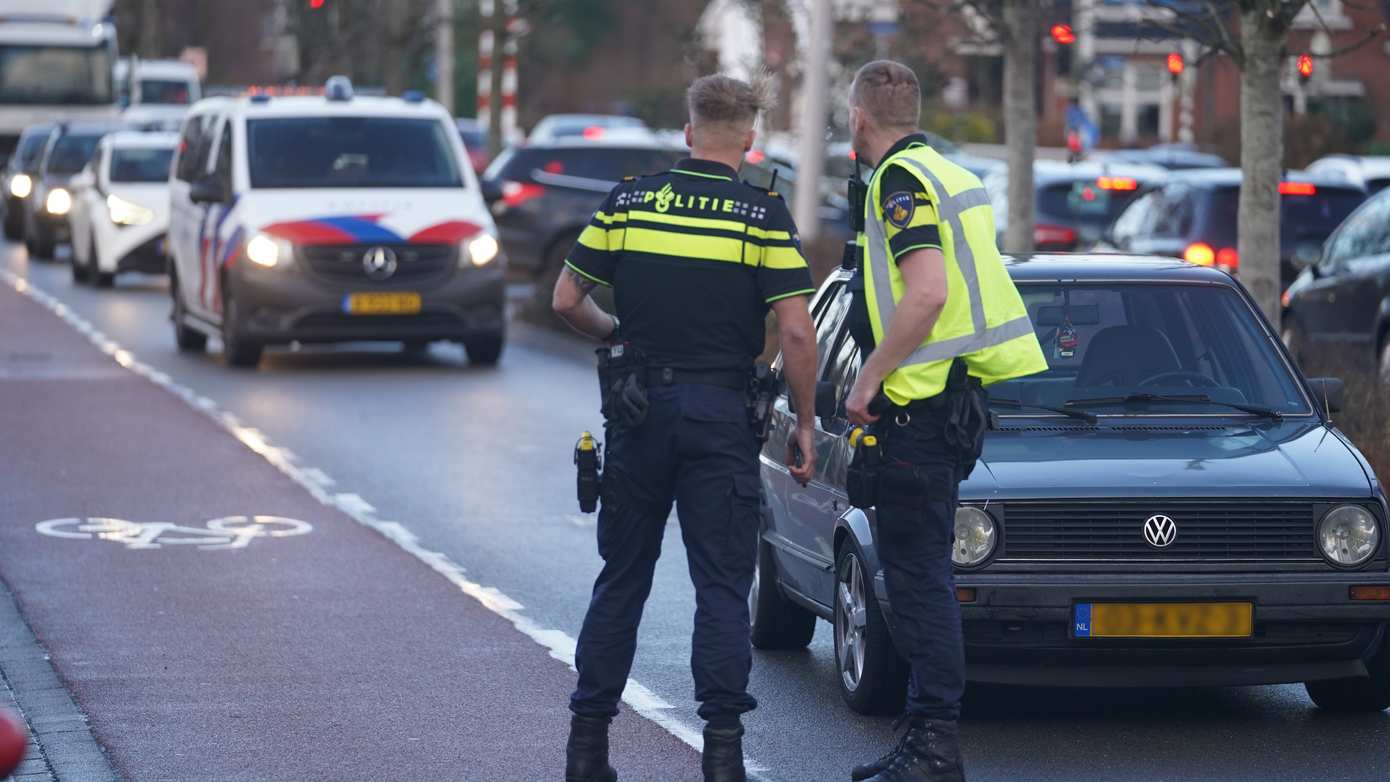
81	272
1383	370
1358	694
485	350
188	340
237	351
14	223
42	245
873	679
778	623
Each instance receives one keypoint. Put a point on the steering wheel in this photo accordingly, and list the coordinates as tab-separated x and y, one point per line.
1191	377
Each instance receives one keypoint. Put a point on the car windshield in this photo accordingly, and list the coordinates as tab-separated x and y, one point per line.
140	165
169	92
71	152
29	151
55	74
1199	344
350	152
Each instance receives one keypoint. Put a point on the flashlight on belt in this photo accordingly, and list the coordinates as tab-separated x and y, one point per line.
861	477
589	463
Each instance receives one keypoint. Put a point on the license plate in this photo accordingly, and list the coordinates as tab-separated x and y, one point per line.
1163	620
392	303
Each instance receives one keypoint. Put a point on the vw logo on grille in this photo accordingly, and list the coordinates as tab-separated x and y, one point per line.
1160	531
379	263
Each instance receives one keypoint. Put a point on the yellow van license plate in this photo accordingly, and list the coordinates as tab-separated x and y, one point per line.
1163	620
392	303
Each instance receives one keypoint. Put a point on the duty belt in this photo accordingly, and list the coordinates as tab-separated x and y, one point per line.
665	376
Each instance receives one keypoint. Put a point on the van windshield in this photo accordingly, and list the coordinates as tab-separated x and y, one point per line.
167	92
141	165
345	151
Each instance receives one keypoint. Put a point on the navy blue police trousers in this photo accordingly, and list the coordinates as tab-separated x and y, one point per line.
697	449
914	544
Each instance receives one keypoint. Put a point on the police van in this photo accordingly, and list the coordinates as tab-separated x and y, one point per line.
327	219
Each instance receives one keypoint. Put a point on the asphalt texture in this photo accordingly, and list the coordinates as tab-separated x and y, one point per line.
476	463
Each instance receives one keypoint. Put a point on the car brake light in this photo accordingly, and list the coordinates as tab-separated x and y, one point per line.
1200	254
515	194
1285	299
592	132
755	156
554	167
1228	259
1053	237
1117	183
1297	188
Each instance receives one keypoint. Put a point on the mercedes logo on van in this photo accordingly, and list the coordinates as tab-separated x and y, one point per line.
379	263
1160	531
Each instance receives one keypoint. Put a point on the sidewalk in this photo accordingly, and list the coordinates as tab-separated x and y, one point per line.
209	652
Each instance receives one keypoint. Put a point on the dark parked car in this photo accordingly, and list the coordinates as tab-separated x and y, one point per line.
1074	202
1343	300
1174	157
1165	506
17	177
543	195
66	153
1193	217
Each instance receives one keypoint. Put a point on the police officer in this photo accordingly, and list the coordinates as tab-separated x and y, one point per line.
937	309
695	259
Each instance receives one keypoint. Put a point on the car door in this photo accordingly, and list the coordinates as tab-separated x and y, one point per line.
86	195
1360	289
1321	306
190	162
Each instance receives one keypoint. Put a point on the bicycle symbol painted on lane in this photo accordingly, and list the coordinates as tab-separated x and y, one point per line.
226	533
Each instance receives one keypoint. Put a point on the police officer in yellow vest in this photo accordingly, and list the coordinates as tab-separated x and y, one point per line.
939	319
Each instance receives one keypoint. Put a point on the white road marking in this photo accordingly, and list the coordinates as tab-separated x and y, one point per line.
224	534
560	645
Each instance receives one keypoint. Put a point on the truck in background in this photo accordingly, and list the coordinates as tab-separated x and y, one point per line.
57	60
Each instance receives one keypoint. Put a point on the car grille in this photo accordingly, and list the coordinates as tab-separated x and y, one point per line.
344	261
1207	530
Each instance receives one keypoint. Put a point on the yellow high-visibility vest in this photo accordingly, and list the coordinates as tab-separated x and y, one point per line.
984	320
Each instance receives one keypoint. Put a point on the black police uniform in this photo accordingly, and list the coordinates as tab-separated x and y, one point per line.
695	258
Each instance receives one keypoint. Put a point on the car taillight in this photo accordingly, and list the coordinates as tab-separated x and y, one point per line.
1227	258
593	132
515	194
1053	237
1297	188
1117	183
1200	254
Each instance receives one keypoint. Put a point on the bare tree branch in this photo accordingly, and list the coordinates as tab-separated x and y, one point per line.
1366	38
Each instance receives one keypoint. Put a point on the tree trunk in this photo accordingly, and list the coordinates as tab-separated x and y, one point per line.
396	46
1020	118
149	29
1261	157
498	20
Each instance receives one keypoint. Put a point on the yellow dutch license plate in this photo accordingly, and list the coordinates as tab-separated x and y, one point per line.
1163	620
384	303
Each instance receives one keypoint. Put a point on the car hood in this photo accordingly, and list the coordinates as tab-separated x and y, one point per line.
151	195
1161	458
366	216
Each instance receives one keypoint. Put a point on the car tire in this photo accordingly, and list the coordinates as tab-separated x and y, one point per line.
1358	694
777	622
1383	364
102	279
875	682
81	273
485	350
237	351
42	246
14	225
188	340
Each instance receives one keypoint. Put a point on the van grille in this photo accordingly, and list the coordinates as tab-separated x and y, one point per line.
343	262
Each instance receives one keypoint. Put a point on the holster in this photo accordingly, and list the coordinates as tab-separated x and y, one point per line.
589	466
622	381
763	387
862	474
967	416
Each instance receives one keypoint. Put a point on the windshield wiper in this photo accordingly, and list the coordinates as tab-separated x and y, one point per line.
1082	415
1263	412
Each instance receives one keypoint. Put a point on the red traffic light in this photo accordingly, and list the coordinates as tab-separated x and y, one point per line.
1176	64
316	4
1062	33
1305	66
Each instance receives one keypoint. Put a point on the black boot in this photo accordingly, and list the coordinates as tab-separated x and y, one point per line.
723	756
930	752
586	753
866	770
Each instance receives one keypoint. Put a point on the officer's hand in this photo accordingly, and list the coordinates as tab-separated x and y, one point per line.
860	397
801	454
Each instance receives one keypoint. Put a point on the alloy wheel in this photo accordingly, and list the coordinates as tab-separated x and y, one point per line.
850	622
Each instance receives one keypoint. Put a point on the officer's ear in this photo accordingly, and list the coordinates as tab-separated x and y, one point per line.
749	139
689	136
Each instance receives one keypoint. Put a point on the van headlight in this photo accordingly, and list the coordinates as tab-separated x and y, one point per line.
125	212
976	537
21	186
479	250
1348	535
269	251
58	202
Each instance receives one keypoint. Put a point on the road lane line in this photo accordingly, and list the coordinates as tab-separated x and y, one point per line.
315	481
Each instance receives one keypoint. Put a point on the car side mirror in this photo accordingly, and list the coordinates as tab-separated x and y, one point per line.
1306	254
826	400
208	190
1328	393
491	190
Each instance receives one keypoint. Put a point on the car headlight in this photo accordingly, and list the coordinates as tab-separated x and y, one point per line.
479	250
125	212
1348	535
976	537
21	186
269	251
58	202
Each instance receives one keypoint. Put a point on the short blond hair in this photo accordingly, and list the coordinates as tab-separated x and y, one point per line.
889	93
723	109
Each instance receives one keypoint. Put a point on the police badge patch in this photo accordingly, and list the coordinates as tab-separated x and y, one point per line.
898	208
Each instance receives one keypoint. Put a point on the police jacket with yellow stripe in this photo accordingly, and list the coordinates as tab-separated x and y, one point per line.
917	199
695	258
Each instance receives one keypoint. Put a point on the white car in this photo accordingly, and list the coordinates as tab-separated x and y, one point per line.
157	93
120	211
1372	173
330	219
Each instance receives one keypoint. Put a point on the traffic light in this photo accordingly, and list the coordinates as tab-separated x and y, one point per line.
315	5
1305	68
1176	64
1062	34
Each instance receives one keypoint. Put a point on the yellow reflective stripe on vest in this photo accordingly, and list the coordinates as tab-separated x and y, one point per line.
949	210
